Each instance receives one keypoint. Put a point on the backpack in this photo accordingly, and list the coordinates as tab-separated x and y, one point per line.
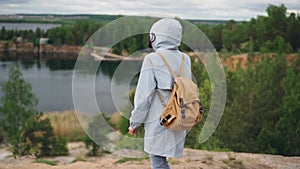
184	109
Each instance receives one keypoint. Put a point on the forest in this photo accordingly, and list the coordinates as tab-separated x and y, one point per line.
262	108
262	111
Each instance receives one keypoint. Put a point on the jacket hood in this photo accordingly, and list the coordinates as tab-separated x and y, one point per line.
167	32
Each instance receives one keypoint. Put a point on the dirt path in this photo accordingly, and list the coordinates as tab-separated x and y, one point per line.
193	159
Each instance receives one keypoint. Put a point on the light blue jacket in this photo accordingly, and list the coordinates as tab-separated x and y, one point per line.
158	140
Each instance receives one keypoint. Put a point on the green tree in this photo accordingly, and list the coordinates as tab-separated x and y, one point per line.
70	38
267	91
234	37
238	119
22	125
277	20
293	33
3	33
288	126
18	107
39	32
81	28
279	45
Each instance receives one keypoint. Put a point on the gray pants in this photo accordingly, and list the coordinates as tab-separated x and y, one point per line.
159	162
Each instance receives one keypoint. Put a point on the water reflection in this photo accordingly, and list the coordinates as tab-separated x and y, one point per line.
57	64
51	81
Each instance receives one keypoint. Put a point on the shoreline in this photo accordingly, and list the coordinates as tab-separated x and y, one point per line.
27	50
11	50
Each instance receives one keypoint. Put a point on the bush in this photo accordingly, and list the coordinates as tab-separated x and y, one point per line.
123	125
97	134
278	45
90	143
59	147
41	140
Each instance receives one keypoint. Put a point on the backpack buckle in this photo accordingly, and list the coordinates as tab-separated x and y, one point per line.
201	109
165	119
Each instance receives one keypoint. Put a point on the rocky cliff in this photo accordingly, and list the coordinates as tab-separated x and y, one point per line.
56	51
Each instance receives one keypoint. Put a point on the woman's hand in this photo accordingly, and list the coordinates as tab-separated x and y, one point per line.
131	130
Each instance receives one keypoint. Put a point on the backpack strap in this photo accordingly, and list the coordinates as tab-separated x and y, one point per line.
182	66
172	72
167	64
181	71
161	99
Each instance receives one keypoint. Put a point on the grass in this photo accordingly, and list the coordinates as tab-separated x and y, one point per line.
173	161
66	124
232	162
188	160
115	119
79	158
126	159
45	161
209	159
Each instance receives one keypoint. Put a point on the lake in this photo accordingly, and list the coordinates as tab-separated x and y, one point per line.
51	81
28	26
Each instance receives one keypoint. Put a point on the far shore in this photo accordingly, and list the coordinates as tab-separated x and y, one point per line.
29	50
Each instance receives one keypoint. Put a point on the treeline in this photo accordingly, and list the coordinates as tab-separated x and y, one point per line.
262	112
278	31
263	33
27	35
75	34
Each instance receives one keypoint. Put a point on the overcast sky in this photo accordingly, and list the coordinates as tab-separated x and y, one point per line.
187	9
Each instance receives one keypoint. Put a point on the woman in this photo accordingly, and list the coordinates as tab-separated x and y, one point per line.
160	142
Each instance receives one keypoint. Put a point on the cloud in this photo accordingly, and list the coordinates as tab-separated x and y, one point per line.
204	9
14	1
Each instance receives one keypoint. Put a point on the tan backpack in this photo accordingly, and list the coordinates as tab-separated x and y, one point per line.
184	109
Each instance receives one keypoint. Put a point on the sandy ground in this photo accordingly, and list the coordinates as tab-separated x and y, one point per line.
193	159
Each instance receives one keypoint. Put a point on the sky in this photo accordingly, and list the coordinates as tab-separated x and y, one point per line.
186	9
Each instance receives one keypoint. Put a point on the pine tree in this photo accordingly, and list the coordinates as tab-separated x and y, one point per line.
21	124
288	126
18	106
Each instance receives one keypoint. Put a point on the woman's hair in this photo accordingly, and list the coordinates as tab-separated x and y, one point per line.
151	38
